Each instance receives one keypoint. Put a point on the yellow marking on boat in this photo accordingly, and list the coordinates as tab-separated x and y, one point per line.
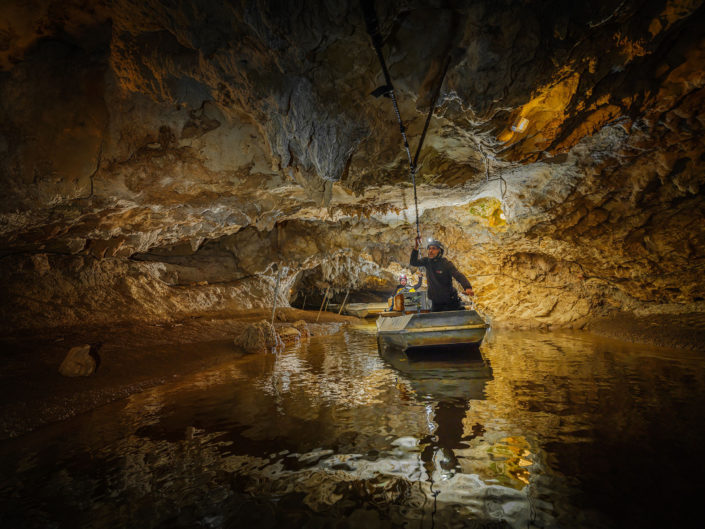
444	328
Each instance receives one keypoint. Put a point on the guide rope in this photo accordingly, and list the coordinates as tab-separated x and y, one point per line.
387	90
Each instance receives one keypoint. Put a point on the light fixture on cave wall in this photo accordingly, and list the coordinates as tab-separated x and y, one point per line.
520	125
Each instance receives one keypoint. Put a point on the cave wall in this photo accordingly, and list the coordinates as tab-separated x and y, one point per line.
164	159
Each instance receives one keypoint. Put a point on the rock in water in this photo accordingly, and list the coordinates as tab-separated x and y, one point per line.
302	327
258	337
290	335
78	362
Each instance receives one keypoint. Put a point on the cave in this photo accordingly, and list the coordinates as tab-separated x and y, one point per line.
182	177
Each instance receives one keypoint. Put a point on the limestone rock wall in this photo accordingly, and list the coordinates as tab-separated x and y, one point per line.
160	159
51	291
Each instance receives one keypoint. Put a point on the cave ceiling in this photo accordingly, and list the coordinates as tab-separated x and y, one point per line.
566	146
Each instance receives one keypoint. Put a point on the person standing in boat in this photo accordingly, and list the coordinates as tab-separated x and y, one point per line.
440	273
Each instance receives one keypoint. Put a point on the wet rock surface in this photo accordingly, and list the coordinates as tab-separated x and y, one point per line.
684	331
78	362
259	337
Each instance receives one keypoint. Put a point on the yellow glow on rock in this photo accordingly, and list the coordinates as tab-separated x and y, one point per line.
674	11
489	209
591	124
545	112
630	48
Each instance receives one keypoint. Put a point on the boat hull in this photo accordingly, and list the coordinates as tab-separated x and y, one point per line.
460	328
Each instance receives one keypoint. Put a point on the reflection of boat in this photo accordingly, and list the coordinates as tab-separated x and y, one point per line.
423	330
453	377
450	373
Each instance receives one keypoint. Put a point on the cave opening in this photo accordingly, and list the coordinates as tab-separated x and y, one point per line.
309	292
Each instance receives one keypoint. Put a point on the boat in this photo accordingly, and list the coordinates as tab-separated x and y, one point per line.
423	330
361	310
365	310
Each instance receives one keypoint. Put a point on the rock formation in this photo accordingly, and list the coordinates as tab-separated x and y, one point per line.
78	362
163	159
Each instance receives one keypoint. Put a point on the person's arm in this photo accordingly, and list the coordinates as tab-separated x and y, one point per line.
418	285
458	275
414	259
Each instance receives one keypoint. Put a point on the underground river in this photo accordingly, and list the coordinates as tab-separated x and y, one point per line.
539	429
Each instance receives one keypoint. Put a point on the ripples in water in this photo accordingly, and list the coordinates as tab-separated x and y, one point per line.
535	430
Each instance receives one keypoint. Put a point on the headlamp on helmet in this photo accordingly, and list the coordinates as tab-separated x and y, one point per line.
437	244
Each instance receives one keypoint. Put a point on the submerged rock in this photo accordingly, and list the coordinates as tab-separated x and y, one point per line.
294	332
302	327
290	334
78	362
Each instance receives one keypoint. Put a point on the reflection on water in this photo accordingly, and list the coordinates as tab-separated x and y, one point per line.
535	430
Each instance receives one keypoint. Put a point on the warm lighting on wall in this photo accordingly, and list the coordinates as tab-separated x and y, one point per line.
488	210
545	112
520	126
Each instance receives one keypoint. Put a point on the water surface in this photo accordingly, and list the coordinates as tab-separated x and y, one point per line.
537	430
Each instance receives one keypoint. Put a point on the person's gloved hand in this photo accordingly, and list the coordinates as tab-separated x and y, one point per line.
469	292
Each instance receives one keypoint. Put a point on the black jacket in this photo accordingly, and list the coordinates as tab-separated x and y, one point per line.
439	275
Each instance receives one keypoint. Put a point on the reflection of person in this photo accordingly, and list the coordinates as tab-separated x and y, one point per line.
448	436
440	273
402	288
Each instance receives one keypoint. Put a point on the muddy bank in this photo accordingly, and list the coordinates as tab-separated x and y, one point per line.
684	331
132	357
